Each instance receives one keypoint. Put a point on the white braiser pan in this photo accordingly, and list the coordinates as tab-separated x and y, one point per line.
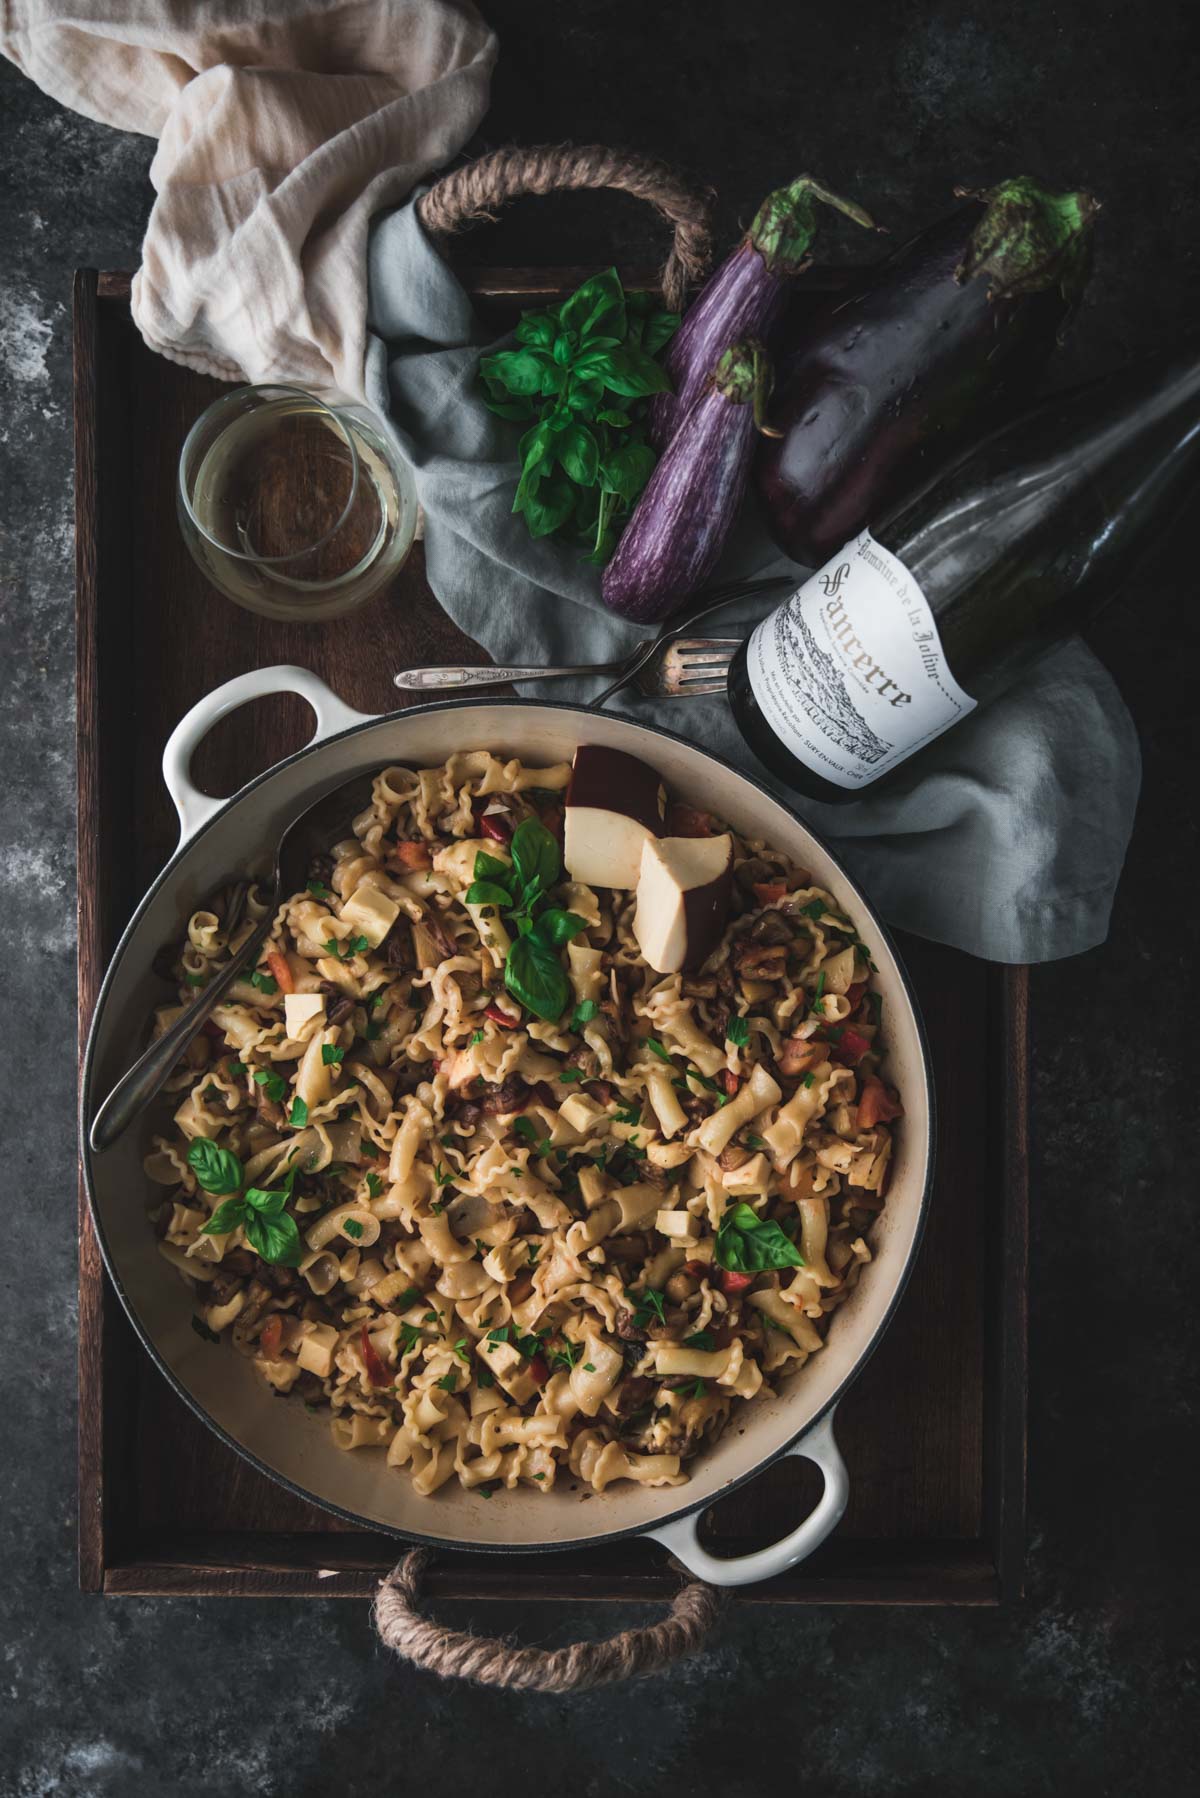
221	836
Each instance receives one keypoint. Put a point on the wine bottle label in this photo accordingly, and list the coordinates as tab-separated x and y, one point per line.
850	672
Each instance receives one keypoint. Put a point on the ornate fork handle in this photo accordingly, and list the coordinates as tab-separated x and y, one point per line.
417	680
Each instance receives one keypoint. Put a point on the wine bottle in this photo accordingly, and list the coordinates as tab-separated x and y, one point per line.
902	634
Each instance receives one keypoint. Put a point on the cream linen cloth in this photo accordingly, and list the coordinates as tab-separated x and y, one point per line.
282	129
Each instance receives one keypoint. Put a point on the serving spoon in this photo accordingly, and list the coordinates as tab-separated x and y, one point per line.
309	833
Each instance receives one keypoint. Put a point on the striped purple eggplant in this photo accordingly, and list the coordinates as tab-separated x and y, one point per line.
671	544
746	295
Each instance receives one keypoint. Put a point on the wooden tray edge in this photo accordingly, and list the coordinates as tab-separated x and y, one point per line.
988	1571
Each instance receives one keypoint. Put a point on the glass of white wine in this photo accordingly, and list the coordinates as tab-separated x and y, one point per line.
293	507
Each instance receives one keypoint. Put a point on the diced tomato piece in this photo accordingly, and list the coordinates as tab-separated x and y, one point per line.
877	1105
849	1048
505	1019
686	821
854	994
377	1371
270	1339
730	1081
539	1368
733	1282
282	970
800	1053
769	892
496	825
412	855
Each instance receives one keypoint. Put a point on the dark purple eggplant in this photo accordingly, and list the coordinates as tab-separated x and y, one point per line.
746	295
671	544
882	389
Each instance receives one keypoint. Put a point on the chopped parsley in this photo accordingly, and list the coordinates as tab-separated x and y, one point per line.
236	1068
298	1115
752	1141
358	945
698	1390
570	1074
352	1228
629	1114
485	1378
738	1031
478	1037
448	1381
648	1306
583	1013
266	983
374	1185
485	1491
196	979
443	1175
331	1057
408	1297
462	1351
272	1084
589	1367
656	1048
701	1340
319	890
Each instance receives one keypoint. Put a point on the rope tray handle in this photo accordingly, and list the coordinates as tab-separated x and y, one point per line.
479	190
489	1661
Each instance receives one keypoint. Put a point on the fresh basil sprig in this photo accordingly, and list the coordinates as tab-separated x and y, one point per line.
585	457
533	972
271	1232
749	1244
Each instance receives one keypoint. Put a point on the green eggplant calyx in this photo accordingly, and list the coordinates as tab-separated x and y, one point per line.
1029	239
743	375
786	223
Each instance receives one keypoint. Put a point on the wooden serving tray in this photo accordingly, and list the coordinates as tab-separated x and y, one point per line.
933	1432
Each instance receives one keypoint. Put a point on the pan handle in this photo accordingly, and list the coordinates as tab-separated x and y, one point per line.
196	808
683	1539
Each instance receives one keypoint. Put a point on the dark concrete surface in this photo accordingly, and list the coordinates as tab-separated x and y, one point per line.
1089	1684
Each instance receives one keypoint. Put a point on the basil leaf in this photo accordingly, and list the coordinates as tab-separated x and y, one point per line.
550	507
611	416
538	329
520	371
226	1217
579	454
659	328
217	1170
631	372
749	1244
534	975
598	307
535	858
490	867
557	927
267	1201
627	470
276	1239
487	892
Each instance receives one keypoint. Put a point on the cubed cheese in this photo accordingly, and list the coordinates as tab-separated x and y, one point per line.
580	1112
314	1351
510	1368
371	912
681	1226
299	1008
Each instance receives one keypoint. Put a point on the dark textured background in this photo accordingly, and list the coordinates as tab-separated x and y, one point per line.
1087	1685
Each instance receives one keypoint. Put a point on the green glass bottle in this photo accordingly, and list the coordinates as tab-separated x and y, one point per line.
903	633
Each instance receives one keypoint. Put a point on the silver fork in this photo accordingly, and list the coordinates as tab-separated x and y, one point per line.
651	666
679	668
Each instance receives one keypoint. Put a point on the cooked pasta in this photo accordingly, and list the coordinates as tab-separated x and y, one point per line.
499	1248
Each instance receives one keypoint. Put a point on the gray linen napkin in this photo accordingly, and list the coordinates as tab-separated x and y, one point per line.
1009	843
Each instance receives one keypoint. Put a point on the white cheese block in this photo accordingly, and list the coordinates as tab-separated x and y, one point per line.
299	1008
679	1225
372	914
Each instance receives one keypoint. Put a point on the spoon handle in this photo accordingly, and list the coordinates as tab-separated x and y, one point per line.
135	1089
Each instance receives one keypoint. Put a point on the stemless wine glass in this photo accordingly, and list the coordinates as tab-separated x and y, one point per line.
293	507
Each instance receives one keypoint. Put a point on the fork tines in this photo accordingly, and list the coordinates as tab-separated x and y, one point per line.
693	665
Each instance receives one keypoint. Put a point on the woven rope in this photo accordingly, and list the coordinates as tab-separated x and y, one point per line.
482	187
493	1662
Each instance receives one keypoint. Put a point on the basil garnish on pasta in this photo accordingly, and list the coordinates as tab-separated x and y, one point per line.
533	972
270	1230
749	1244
